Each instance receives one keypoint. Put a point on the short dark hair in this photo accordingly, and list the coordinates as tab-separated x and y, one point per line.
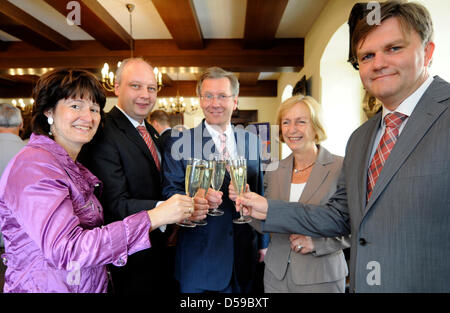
63	84
411	16
160	116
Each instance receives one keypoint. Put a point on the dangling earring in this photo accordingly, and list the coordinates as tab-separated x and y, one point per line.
50	122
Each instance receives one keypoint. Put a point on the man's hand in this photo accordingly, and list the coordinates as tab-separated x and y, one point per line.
214	198
200	209
252	205
232	193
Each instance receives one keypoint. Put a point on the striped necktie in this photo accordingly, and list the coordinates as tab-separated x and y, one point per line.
223	146
150	144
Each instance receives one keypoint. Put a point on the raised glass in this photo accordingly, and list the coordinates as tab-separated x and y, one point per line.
193	179
218	174
238	173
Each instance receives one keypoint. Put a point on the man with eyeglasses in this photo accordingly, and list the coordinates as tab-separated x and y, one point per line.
220	256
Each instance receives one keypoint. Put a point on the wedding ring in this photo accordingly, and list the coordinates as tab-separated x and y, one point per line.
299	247
190	211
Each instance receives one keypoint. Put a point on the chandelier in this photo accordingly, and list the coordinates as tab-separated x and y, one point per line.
108	78
178	105
22	106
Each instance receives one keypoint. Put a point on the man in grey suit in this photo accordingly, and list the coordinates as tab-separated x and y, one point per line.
393	194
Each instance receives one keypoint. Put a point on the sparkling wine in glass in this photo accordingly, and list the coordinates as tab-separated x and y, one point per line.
204	186
220	166
193	179
238	172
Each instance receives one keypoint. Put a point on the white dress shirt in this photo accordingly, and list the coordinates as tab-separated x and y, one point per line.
406	107
231	142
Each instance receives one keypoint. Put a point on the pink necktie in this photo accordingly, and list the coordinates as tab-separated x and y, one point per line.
223	146
150	144
387	142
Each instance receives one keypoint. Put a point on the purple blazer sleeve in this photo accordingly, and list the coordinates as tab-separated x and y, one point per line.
50	210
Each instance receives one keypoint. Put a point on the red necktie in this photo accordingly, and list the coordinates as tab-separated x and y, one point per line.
150	144
393	122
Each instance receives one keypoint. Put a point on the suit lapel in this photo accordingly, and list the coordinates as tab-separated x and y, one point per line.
362	164
131	133
285	176
318	175
422	118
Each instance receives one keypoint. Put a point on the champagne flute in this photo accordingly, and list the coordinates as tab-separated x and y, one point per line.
217	179
238	171
193	179
206	182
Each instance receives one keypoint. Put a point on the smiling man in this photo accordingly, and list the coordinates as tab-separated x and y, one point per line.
220	256
393	193
125	155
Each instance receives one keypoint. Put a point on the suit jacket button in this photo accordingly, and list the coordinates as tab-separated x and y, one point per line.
362	241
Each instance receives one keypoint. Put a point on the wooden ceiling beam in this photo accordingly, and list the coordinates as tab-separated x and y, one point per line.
4	45
98	23
264	88
22	25
166	80
248	78
181	21
261	22
285	55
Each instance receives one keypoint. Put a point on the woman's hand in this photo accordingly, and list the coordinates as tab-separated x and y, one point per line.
301	243
173	210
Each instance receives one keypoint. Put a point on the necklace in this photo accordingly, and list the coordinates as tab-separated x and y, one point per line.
303	169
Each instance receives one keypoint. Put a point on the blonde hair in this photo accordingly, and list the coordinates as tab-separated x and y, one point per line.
314	111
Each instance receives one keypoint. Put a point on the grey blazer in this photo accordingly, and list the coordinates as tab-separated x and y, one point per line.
401	237
327	263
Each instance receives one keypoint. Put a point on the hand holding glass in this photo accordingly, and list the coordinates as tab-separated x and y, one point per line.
193	179
217	179
238	172
204	186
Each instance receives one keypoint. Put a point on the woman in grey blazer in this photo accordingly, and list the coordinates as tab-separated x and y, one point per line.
297	263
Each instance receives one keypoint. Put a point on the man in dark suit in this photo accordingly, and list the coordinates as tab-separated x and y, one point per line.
221	256
393	193
161	122
125	155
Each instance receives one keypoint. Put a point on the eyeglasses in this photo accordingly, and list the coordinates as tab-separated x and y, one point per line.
210	98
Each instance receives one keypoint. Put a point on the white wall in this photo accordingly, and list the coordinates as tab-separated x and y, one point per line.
342	93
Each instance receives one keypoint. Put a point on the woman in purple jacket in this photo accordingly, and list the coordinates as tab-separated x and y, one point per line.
50	217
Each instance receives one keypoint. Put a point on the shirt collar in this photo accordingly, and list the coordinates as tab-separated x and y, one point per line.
408	105
215	133
132	120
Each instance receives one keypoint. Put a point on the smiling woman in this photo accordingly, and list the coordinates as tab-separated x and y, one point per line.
52	222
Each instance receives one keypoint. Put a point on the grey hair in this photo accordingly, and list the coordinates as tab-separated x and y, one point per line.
124	63
216	73
10	116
